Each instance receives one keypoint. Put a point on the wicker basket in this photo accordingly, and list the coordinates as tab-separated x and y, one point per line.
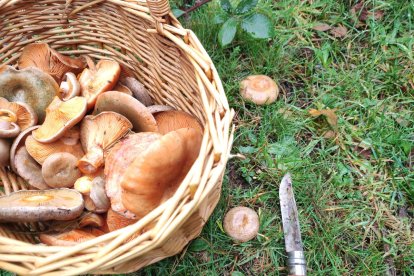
171	62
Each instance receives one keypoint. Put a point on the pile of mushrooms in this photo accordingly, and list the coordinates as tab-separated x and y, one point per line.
90	142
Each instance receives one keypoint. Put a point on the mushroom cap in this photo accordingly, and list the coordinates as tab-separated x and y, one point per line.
97	134
98	195
141	119
35	206
69	238
18	142
26	116
50	61
4	152
157	172
69	87
259	89
60	170
241	224
60	117
70	143
84	184
138	90
168	121
95	81
8	130
91	219
122	88
30	86
159	108
28	169
116	221
119	157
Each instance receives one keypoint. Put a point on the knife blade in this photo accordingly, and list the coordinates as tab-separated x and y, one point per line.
291	228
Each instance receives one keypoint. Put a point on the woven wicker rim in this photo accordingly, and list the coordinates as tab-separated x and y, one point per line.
171	62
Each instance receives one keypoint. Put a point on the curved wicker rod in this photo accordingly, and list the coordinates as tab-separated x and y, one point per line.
135	6
6	3
83	7
38	249
5	180
14	268
78	248
18	258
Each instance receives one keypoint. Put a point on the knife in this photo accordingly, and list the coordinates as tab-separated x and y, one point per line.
291	229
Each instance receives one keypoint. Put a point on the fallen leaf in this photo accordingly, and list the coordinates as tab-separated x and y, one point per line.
364	14
329	134
365	153
328	113
322	27
339	32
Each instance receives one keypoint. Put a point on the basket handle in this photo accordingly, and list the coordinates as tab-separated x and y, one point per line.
159	8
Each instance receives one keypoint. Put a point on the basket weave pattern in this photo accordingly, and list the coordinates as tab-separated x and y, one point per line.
169	60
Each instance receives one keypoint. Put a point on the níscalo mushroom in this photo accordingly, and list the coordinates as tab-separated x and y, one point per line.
259	89
171	120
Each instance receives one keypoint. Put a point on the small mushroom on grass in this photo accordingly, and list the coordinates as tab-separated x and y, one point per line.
34	206
241	224
60	170
60	117
259	89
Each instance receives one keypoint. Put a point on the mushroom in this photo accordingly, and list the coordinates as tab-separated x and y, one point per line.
97	134
28	169
122	88
83	184
168	121
35	206
8	127
138	90
99	79
259	89
48	60
156	170
69	87
92	220
241	224
70	143
141	119
25	115
119	157
4	152
18	142
98	195
69	238
60	117
30	86
116	221
159	108
60	170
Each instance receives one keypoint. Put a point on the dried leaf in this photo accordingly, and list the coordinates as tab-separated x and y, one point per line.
328	113
365	153
329	134
339	32
364	14
322	27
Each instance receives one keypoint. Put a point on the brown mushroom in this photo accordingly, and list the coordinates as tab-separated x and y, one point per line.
70	143
116	221
8	127
28	169
99	79
35	206
138	90
141	119
4	152
122	88
60	170
259	89
69	87
159	108
69	238
97	134
83	184
25	115
18	142
60	117
241	224
30	86
168	121
119	157
92	220
48	60
98	195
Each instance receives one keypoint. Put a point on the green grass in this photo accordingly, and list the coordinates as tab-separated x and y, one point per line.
355	194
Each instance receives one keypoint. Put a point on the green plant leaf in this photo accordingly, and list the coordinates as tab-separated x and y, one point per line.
198	245
177	12
226	6
227	32
258	25
219	18
245	6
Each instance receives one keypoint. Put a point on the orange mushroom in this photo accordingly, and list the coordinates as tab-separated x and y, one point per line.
116	221
99	79
60	117
69	238
48	60
69	87
122	88
97	134
259	89
70	143
92	220
175	119
25	115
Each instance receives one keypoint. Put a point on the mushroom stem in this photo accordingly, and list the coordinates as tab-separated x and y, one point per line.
92	161
70	87
5	124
